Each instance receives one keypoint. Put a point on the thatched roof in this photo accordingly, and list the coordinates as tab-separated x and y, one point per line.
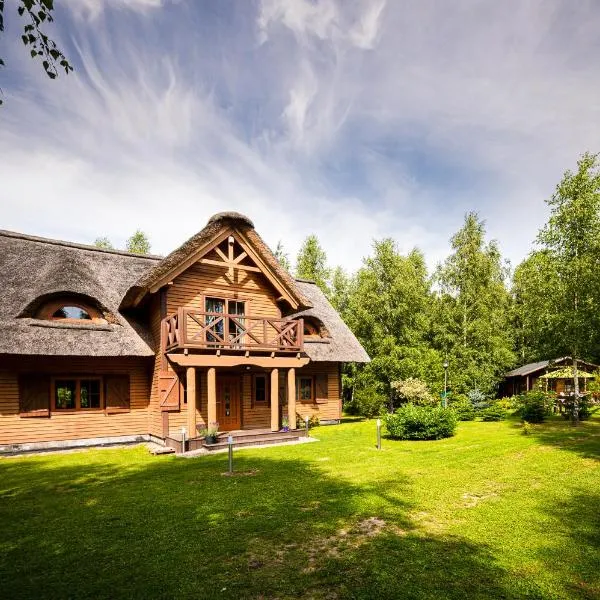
34	270
216	225
342	345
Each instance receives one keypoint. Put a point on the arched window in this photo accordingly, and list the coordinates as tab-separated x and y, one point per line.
72	312
69	310
314	328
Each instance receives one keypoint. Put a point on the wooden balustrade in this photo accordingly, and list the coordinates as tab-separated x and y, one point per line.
190	328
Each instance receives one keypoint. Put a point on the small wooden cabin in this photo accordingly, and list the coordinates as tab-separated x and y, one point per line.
527	377
101	346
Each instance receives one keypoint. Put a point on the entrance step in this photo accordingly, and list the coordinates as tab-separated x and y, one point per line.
255	440
157	449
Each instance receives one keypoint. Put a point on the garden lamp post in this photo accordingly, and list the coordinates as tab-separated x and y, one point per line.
445	384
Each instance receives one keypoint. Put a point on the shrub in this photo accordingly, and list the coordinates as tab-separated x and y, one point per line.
505	403
535	406
414	391
584	408
412	422
478	399
368	402
527	427
463	408
313	421
493	413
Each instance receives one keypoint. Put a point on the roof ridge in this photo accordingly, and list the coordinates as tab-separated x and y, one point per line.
302	280
55	242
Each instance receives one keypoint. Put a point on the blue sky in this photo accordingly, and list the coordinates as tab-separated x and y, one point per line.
350	119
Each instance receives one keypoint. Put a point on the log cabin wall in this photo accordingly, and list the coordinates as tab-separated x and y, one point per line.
189	290
15	429
330	410
191	287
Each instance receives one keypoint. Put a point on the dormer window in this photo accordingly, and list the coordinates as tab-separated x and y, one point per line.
314	328
72	313
69	309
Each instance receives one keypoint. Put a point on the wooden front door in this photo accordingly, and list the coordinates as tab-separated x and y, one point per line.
229	412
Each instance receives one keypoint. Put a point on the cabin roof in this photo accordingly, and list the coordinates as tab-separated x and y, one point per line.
530	368
342	346
33	269
215	226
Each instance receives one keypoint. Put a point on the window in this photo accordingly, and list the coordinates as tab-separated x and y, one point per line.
260	388
305	389
77	393
72	312
221	308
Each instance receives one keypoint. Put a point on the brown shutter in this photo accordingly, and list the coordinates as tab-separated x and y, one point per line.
116	393
34	395
168	387
321	391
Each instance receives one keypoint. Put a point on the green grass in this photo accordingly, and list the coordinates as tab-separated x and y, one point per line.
489	513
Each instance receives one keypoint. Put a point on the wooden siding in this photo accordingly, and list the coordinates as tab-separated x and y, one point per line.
259	415
190	288
331	410
155	426
15	429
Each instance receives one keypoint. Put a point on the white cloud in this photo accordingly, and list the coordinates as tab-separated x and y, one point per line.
91	9
351	119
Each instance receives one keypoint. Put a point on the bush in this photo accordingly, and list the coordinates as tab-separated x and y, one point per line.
478	399
414	391
313	421
463	408
493	413
535	406
411	422
584	408
368	402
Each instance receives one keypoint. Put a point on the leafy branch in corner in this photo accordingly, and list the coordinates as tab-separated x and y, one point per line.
37	12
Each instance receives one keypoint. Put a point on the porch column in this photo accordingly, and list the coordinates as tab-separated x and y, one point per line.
211	383
291	397
275	400
190	376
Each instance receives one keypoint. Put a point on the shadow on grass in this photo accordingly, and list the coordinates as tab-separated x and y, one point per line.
124	525
578	519
560	433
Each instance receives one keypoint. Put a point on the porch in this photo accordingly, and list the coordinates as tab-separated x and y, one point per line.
251	396
243	438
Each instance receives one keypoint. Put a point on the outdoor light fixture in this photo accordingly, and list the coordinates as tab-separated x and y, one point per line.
446	365
378	434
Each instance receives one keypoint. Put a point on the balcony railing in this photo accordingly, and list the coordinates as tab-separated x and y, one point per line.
190	328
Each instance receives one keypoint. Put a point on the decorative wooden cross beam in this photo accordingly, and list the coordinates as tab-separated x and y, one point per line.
230	261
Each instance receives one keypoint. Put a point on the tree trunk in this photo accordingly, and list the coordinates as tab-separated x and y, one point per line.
576	393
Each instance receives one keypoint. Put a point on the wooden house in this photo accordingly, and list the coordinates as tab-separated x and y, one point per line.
101	346
532	375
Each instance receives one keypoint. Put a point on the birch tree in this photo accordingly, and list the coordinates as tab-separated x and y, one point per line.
571	238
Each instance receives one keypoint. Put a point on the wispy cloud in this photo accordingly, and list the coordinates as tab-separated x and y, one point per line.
352	120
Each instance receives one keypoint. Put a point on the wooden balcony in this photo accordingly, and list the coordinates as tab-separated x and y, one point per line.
194	329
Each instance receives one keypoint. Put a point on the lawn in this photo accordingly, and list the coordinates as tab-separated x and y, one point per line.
490	513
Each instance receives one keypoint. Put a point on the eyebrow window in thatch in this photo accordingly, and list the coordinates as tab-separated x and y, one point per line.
70	309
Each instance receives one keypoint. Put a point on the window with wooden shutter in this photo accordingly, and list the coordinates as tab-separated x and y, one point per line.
116	393
34	395
321	388
168	388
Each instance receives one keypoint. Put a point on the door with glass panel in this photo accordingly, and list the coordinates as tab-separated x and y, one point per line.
229	414
215	321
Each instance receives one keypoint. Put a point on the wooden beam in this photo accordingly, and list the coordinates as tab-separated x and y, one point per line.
291	397
229	265
264	362
275	400
211	383
191	401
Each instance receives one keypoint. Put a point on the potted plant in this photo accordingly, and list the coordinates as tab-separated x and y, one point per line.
285	424
210	434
